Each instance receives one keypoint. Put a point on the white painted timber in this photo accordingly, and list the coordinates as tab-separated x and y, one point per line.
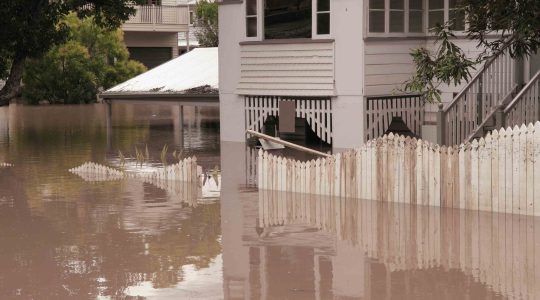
496	174
285	69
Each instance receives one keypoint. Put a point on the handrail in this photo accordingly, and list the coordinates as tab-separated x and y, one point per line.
519	96
488	89
287	144
475	78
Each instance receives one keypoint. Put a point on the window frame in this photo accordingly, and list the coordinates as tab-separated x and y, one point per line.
260	22
387	32
407	33
314	14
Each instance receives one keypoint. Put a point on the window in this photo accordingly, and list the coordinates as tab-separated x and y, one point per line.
416	16
435	13
285	19
376	16
397	16
456	15
251	18
191	18
323	17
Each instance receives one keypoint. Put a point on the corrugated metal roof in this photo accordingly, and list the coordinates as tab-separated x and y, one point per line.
195	72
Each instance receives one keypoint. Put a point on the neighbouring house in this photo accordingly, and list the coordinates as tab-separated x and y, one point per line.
188	40
190	78
151	35
343	64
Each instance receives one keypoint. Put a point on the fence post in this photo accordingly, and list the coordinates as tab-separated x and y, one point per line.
499	118
440	125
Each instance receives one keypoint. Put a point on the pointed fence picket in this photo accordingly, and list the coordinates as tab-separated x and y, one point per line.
499	173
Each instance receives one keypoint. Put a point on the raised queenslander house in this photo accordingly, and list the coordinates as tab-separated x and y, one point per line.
343	64
152	34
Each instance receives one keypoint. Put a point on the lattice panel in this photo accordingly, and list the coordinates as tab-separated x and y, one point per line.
317	112
380	110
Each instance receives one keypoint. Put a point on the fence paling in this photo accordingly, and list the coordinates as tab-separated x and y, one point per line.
499	173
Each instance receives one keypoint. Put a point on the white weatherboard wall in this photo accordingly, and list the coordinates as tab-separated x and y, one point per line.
287	69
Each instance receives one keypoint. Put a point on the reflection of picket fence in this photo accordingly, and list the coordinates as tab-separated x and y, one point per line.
500	172
499	250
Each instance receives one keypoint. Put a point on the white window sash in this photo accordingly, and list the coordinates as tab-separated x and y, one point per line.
314	15
260	23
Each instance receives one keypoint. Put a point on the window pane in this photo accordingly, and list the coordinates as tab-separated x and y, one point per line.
436	4
436	18
416	22
457	17
376	21
284	19
397	19
323	23
415	4
454	3
251	7
323	5
376	4
251	27
397	4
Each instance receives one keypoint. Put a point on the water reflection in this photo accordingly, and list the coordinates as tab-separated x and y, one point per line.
64	238
291	246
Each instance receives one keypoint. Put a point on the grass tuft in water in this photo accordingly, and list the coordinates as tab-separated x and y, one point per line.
163	155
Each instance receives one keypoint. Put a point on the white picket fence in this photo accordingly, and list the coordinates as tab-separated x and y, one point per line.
5	165
499	173
186	170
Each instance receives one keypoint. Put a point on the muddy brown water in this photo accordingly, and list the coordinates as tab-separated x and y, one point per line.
64	238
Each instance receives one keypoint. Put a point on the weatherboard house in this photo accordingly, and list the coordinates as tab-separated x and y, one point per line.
340	65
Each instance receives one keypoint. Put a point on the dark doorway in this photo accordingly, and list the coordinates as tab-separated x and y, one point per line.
151	57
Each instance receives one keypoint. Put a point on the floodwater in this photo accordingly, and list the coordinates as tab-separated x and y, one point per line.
62	237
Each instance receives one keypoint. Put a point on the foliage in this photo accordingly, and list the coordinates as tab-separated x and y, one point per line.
449	65
206	21
73	72
497	25
31	27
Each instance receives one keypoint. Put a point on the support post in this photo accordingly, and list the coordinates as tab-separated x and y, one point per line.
108	122
499	118
178	124
440	125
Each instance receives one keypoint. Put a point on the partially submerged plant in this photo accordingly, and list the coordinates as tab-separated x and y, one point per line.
122	158
139	156
164	154
178	155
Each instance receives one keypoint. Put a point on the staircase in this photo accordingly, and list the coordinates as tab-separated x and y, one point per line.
525	107
472	113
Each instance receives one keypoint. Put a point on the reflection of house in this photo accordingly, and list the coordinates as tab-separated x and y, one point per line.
343	63
151	35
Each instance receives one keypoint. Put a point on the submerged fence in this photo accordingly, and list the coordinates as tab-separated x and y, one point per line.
499	173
